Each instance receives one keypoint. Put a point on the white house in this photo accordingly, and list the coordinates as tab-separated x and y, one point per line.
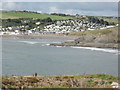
1	33
17	32
37	23
91	28
29	32
109	26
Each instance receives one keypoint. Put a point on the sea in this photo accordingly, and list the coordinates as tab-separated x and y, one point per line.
23	57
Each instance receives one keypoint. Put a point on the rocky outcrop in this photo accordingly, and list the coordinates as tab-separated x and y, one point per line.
108	38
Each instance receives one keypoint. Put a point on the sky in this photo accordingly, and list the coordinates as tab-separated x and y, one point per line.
83	8
60	0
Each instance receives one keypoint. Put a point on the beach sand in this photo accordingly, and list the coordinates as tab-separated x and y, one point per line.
44	36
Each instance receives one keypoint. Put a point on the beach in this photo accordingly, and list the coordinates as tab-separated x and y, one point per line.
44	36
72	41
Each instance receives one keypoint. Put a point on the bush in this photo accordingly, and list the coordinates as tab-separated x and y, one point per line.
102	82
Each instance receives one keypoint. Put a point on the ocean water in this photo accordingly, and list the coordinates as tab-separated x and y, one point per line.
29	56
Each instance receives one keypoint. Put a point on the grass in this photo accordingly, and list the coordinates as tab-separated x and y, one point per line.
111	20
100	76
73	81
103	31
103	36
96	32
15	15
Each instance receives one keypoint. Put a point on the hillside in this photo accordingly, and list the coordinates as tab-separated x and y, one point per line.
109	35
106	38
16	15
109	19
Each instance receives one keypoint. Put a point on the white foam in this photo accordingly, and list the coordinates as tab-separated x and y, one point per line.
42	45
70	40
55	42
59	46
100	49
47	44
29	42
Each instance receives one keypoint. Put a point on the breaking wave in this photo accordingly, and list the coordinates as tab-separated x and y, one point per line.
34	42
29	42
100	49
114	51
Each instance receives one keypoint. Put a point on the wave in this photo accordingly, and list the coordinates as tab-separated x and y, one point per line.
70	40
100	49
90	48
29	42
59	46
55	42
33	42
47	44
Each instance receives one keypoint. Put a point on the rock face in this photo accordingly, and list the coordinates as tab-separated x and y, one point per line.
84	44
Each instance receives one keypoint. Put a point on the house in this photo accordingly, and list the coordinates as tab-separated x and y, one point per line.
117	24
91	28
82	30
37	23
109	26
29	32
103	28
11	33
17	32
26	21
1	33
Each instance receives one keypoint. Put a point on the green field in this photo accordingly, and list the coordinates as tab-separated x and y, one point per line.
109	19
14	15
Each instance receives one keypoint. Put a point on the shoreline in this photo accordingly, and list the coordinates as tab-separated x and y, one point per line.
65	37
88	44
107	50
43	36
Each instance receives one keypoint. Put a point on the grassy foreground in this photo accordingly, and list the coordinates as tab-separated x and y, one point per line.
71	81
16	15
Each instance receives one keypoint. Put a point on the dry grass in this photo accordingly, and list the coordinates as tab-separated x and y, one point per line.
78	81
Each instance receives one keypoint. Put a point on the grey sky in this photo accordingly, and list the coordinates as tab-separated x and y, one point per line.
84	8
60	0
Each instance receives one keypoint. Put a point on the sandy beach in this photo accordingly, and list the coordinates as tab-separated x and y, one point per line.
44	36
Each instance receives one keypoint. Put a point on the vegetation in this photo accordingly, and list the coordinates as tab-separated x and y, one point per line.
20	14
26	22
59	14
98	20
109	35
72	81
106	38
109	19
100	76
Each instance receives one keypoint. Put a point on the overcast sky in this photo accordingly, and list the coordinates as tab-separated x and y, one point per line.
60	0
84	8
